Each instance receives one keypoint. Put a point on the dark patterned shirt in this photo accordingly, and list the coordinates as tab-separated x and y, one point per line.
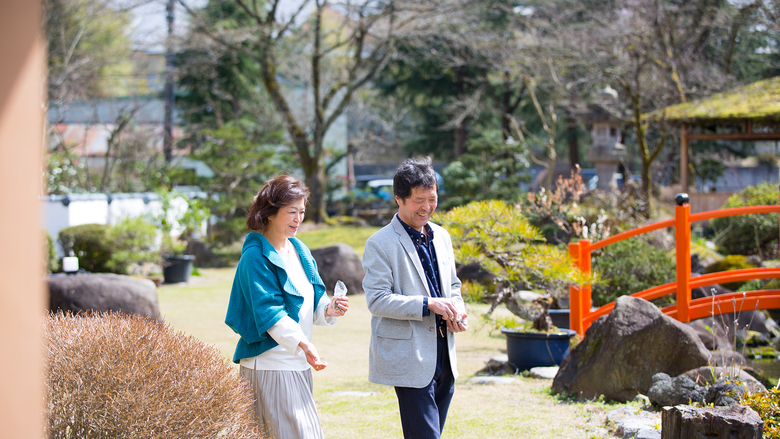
427	253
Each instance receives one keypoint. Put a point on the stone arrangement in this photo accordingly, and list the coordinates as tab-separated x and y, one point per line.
103	292
340	262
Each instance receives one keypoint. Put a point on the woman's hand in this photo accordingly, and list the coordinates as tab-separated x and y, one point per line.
341	307
311	355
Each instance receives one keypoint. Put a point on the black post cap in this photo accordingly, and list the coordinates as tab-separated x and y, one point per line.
681	199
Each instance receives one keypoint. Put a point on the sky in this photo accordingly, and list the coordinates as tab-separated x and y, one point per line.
150	26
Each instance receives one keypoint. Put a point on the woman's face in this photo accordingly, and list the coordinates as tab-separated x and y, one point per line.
286	221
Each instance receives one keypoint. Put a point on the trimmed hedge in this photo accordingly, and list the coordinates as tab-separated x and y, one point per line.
50	262
91	243
118	376
133	243
111	249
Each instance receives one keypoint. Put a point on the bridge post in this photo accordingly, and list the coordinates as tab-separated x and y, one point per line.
682	227
585	293
575	293
579	295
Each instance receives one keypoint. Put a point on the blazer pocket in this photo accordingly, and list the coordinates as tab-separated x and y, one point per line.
401	331
394	349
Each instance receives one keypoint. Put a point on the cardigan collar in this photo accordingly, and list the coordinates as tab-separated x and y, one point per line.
254	239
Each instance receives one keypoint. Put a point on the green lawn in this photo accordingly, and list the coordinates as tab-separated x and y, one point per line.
354	236
524	409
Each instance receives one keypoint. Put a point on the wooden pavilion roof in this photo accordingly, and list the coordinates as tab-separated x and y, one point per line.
755	102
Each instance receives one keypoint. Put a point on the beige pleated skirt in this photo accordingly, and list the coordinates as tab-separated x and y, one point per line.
284	403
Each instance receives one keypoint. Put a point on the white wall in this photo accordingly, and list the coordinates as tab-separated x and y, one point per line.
96	209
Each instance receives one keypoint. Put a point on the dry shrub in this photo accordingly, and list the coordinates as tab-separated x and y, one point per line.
118	376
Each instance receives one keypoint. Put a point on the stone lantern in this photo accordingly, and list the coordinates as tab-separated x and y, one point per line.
607	151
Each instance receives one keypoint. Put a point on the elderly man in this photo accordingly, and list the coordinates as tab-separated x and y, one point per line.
413	293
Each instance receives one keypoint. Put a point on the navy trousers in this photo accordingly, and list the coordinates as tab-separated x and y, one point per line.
423	411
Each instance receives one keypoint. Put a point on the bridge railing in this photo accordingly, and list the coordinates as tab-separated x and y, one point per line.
581	316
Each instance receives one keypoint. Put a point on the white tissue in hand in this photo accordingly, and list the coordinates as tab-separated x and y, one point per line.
340	290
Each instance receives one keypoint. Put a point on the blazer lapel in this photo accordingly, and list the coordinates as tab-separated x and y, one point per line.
411	251
442	255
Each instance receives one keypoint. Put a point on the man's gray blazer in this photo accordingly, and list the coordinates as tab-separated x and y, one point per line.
403	342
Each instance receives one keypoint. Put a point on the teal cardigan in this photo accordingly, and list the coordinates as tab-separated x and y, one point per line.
263	293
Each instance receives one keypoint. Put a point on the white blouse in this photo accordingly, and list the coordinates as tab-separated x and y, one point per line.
288	355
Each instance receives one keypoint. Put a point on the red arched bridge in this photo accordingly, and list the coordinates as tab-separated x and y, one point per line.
581	316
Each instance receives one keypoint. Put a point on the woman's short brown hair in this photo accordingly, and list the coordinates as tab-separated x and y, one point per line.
277	192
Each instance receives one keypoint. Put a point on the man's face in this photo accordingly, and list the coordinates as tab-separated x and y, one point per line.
417	209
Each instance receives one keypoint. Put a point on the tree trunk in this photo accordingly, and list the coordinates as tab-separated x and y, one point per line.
311	164
687	422
460	139
574	145
317	184
644	153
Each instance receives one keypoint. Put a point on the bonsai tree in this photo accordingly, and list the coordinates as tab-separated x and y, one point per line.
502	241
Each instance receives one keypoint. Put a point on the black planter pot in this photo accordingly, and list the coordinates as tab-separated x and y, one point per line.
177	268
559	317
537	349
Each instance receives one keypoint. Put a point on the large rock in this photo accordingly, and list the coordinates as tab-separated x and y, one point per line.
204	255
713	333
621	352
103	292
340	262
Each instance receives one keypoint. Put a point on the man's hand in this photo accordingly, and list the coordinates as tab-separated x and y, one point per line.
443	307
311	355
455	327
449	312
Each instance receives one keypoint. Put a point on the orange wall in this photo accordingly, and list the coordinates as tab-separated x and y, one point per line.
22	73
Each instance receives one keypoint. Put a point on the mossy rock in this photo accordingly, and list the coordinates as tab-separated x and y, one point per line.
729	263
760	352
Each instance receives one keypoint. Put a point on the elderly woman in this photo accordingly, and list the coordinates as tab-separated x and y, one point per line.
276	299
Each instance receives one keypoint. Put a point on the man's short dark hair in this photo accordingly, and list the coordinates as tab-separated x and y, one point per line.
412	173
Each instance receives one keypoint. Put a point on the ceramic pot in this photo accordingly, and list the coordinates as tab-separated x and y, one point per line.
527	349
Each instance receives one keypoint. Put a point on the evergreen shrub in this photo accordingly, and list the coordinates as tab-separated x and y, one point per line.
90	243
749	234
627	267
117	376
134	243
50	262
767	404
